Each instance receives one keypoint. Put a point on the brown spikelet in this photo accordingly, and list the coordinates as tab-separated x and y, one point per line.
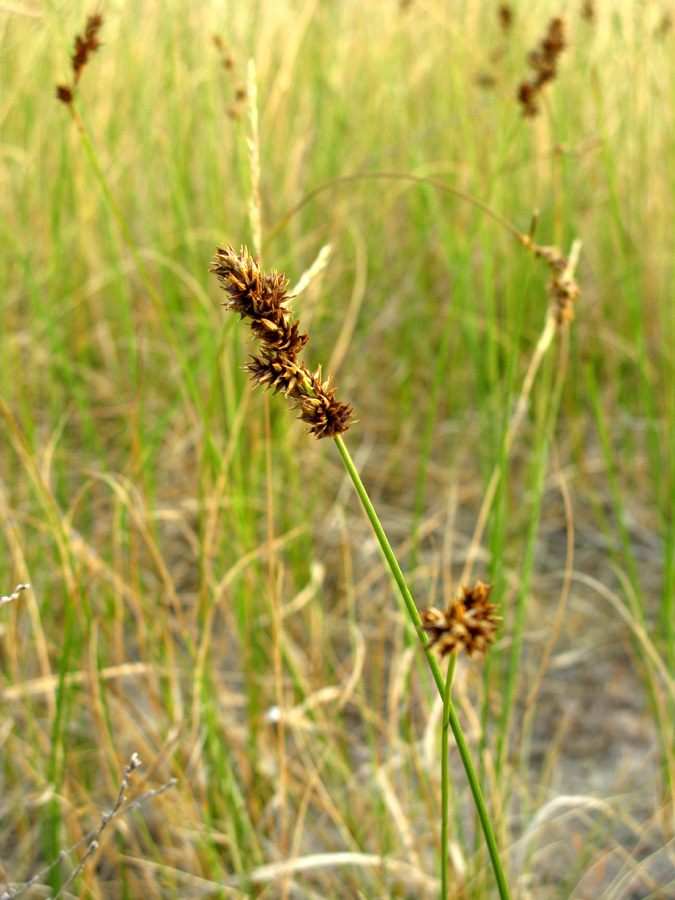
276	370
229	63
280	337
562	287
325	416
588	11
85	44
544	62
64	93
505	15
468	622
260	297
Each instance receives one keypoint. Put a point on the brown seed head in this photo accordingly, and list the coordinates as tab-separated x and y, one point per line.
562	287
588	11
505	14
251	293
86	44
278	371
527	97
280	337
260	297
64	94
544	62
325	415
469	621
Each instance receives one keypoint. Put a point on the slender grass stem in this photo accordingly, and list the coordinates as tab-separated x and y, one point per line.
445	777
449	712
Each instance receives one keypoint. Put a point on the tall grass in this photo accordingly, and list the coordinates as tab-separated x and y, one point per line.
205	590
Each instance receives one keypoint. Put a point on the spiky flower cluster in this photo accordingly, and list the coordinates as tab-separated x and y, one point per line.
469	621
85	45
544	62
260	298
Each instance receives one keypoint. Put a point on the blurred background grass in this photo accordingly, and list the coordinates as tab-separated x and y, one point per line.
181	589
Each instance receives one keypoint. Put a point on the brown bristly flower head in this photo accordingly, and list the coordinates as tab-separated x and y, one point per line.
544	62
64	93
260	298
468	622
505	14
85	45
321	411
588	11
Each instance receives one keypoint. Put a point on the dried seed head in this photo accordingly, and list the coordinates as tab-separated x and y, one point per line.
505	14
470	622
325	415
588	11
260	297
527	98
281	337
278	371
64	94
562	287
86	44
240	278
544	62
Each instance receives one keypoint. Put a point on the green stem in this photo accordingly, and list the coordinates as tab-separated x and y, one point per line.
445	777
453	721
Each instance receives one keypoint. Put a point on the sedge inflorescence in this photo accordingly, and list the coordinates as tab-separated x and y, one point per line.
562	287
259	297
544	63
468	622
85	44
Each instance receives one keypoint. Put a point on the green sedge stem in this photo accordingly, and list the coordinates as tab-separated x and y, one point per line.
445	777
453	721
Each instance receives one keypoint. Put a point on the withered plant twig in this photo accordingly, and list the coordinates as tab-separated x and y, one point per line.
92	838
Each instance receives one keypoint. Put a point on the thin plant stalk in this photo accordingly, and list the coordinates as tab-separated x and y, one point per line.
445	776
544	342
449	710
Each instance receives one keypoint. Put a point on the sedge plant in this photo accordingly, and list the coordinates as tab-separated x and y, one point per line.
469	621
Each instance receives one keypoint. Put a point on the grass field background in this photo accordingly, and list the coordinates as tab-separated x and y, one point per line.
206	590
